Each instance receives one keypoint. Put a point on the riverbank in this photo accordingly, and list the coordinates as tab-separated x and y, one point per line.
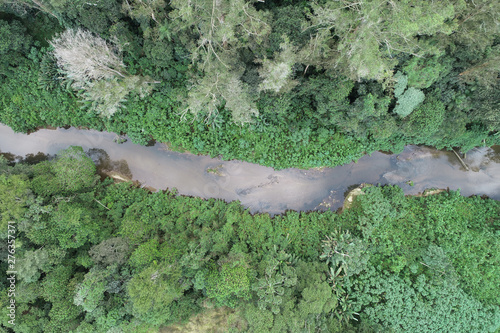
122	242
263	189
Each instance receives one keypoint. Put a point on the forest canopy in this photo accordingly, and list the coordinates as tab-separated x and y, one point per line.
95	256
279	83
282	83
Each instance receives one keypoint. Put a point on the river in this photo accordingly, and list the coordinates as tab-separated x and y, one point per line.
262	189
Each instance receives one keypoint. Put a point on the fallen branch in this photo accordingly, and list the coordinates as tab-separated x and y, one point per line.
101	204
461	161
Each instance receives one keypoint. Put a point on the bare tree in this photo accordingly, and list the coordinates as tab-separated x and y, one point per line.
95	66
85	57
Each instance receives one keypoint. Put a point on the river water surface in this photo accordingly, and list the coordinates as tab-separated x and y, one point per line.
262	189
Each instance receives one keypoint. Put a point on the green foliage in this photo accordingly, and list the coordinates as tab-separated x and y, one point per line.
401	84
106	97
485	73
423	72
276	74
58	288
362	35
411	98
14	45
324	122
287	20
26	105
401	264
73	225
346	256
145	11
90	292
94	66
145	254
218	30
14	192
279	277
407	99
391	262
258	320
110	251
143	291
317	299
402	229
138	224
73	170
477	24
426	120
32	262
420	306
228	283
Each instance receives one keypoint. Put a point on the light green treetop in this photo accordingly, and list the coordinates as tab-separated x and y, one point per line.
371	33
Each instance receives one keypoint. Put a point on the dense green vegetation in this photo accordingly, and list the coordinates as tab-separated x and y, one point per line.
283	83
280	83
96	256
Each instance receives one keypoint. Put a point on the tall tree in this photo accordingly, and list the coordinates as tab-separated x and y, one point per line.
277	74
14	43
74	170
364	37
94	65
220	29
477	23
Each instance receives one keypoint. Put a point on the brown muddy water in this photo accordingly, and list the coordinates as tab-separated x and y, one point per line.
262	189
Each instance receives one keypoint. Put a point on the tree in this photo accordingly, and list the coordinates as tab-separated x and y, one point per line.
106	97
145	10
74	170
287	21
208	94
22	6
14	43
144	288
221	28
32	262
425	120
420	306
346	255
278	278
486	72
276	74
477	23
364	37
85	57
137	225
95	66
145	254
317	300
486	103
423	72
110	251
227	283
14	193
58	288
407	100
90	292
73	225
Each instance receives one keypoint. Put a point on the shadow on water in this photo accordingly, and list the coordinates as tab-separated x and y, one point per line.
28	158
105	166
259	188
